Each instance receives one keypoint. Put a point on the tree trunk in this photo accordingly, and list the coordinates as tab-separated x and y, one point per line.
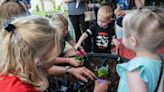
42	5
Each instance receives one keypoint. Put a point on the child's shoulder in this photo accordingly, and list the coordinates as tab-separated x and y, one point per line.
93	25
140	62
94	22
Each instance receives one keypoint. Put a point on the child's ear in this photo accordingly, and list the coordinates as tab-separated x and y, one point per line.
133	41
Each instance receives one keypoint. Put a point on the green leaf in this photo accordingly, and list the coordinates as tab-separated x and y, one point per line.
82	59
103	72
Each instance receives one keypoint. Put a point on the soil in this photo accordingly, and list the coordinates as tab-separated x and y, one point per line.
68	83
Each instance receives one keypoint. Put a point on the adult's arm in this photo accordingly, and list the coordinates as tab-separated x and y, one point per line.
63	60
79	73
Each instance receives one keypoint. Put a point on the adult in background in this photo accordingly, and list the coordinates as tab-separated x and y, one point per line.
76	9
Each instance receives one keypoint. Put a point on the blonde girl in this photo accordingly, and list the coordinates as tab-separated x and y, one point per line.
144	34
27	44
82	73
61	24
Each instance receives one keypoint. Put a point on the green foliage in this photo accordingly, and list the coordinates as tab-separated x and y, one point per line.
103	72
41	13
81	59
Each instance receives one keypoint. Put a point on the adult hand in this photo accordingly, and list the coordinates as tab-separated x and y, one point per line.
101	85
82	73
74	62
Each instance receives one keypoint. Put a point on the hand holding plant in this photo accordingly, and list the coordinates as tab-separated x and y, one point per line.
74	62
101	85
81	59
80	53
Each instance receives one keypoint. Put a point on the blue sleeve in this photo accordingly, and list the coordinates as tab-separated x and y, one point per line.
131	66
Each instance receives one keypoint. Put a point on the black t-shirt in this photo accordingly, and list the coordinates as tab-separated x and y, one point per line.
101	38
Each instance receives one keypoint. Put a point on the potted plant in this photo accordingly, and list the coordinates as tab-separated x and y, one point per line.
80	58
103	72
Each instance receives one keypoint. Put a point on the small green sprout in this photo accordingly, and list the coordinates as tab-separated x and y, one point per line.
81	59
103	72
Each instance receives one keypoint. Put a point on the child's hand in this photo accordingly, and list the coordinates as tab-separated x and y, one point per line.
101	85
118	12
80	51
116	42
74	62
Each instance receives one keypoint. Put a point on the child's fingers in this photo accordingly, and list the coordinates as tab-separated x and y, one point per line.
102	81
78	53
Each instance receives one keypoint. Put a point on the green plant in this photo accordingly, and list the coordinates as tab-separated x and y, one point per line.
81	59
103	72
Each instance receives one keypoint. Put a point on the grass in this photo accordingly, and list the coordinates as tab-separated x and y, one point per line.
41	13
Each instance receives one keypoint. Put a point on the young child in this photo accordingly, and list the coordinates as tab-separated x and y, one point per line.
11	9
144	32
123	7
61	24
23	52
101	31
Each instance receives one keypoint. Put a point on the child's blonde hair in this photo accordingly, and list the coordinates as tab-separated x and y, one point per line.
22	50
105	12
59	22
11	9
147	26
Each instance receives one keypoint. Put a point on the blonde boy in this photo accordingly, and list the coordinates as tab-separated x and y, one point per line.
101	31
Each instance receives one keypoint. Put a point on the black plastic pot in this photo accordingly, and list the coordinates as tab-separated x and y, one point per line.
68	83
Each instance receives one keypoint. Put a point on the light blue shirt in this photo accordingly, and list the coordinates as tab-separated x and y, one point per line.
149	72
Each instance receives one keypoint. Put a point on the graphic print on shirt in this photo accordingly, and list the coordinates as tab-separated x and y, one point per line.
102	40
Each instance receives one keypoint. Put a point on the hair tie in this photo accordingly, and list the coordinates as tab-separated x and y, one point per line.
10	27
